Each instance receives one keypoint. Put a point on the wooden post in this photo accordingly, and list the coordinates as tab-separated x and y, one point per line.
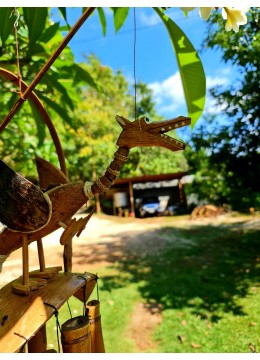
182	196
97	342
67	257
38	343
41	255
132	201
25	260
98	206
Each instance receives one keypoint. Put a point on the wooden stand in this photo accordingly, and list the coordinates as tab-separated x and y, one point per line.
27	283
43	272
35	279
26	316
38	343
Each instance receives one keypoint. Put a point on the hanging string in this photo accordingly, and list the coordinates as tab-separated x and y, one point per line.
84	288
69	309
16	13
58	328
134	64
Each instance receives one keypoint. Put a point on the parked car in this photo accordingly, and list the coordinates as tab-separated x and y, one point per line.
149	207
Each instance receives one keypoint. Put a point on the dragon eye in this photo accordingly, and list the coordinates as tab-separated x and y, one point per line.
146	119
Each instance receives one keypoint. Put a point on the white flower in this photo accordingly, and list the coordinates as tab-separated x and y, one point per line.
234	18
187	8
205	12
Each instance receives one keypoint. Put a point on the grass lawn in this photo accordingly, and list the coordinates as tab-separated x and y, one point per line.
206	283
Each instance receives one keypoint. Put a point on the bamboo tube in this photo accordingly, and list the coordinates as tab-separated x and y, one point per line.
38	343
75	335
97	342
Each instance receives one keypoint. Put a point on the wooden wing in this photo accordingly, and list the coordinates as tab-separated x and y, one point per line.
23	206
49	175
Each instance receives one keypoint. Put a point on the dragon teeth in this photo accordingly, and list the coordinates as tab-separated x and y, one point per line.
171	139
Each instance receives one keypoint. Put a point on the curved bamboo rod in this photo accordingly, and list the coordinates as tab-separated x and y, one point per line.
47	65
37	102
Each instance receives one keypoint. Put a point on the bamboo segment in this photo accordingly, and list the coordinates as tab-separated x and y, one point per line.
97	342
75	335
38	343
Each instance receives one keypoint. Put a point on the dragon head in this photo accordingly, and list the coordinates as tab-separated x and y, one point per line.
142	132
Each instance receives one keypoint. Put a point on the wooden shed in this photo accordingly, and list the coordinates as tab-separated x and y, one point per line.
123	197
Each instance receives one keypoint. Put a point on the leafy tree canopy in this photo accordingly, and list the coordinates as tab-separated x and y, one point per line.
87	127
226	156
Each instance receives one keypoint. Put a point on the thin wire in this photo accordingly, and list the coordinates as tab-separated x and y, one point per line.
84	288
134	64
69	309
58	328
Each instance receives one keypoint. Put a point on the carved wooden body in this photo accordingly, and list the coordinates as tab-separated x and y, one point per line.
66	201
67	198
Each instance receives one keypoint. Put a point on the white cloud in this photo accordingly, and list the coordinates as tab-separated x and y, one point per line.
151	19
222	79
212	81
169	95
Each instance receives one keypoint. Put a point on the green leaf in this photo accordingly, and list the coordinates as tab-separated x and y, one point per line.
190	67
120	15
58	109
52	82
13	99
83	75
37	49
35	19
49	33
102	19
39	123
6	23
63	11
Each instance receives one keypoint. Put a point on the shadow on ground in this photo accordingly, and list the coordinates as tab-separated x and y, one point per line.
204	267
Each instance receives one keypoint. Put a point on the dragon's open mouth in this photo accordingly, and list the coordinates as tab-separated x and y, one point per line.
169	139
142	132
162	127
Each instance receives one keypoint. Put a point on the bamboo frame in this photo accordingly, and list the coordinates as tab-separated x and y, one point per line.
46	67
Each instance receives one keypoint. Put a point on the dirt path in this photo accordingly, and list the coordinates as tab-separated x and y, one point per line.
105	240
100	244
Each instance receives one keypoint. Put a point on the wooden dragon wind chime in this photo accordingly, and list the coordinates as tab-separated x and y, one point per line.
30	213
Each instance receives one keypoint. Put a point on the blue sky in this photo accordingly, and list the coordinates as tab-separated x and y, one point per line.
155	61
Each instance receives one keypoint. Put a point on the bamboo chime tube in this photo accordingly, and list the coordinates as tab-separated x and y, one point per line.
75	335
97	342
